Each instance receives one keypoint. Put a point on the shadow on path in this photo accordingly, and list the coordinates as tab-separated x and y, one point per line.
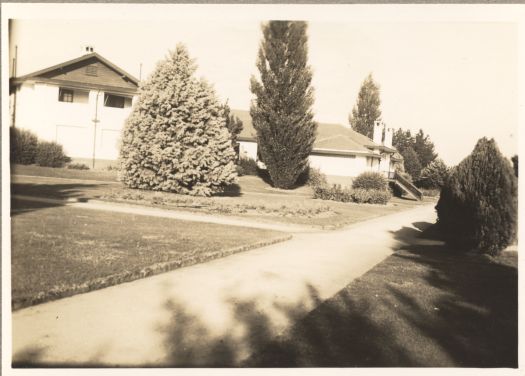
424	306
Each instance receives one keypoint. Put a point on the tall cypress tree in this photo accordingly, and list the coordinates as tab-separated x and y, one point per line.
366	110
282	109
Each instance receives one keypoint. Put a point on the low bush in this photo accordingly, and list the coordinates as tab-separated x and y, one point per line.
370	180
23	146
77	166
371	196
50	154
334	193
359	195
247	166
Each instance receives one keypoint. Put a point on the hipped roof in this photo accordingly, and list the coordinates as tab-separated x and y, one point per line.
330	137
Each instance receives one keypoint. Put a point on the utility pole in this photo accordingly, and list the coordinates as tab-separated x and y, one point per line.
95	121
140	72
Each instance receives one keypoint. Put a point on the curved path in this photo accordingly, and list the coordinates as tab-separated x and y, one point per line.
213	314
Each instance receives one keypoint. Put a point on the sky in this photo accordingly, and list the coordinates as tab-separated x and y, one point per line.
458	81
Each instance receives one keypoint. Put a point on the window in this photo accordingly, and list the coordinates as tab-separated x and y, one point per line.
91	70
116	101
65	95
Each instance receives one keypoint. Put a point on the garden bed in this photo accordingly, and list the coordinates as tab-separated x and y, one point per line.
255	200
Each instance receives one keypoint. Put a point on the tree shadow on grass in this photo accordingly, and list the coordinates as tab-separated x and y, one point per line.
475	314
54	192
232	190
426	305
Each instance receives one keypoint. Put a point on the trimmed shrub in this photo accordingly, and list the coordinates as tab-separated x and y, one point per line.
371	196
247	166
359	195
23	146
370	180
77	166
175	139
477	208
50	154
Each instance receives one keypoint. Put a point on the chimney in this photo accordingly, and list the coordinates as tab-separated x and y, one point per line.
378	132
88	49
389	132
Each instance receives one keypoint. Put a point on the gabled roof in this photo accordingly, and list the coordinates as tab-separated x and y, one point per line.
329	137
78	60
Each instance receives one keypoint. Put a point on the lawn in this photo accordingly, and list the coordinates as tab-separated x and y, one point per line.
253	199
65	173
424	306
59	251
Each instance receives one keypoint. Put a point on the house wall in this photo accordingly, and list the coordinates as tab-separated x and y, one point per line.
71	124
330	165
248	149
384	165
340	165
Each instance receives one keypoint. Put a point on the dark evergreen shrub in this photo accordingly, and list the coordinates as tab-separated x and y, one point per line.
50	154
370	180
477	208
23	146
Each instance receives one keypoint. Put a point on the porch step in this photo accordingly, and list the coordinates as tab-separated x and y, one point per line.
407	187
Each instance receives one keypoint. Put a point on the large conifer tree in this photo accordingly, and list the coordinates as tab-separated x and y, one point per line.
366	110
282	108
175	139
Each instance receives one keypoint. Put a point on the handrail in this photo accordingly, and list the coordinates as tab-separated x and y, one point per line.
411	187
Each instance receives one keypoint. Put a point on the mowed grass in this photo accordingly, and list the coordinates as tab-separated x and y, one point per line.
424	306
64	173
59	251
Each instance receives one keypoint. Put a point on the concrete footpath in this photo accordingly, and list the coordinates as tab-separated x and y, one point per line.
213	314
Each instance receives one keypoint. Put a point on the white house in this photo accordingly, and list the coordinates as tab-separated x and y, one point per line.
81	104
339	152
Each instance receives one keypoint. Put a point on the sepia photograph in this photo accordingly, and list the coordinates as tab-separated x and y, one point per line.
260	186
